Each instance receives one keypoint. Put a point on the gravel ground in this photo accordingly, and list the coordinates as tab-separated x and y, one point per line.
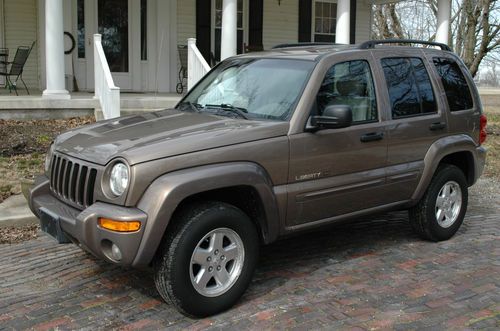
12	235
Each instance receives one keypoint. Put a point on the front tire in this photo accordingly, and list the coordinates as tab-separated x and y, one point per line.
207	260
441	210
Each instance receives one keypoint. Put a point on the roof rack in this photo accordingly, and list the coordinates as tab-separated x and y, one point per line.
372	43
305	44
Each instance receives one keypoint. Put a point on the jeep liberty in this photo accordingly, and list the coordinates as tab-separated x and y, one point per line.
267	145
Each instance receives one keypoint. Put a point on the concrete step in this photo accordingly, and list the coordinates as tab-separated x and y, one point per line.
125	112
130	101
15	212
81	104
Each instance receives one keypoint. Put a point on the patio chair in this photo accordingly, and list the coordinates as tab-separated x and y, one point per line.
181	85
16	68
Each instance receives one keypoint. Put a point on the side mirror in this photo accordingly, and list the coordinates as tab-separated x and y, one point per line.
334	117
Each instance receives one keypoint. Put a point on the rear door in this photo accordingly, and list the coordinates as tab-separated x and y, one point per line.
334	172
416	117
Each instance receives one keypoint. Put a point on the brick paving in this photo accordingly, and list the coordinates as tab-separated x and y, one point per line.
373	274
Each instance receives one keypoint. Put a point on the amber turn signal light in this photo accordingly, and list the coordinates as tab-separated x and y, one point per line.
119	226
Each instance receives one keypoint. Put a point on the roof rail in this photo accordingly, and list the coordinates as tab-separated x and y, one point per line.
305	44
372	43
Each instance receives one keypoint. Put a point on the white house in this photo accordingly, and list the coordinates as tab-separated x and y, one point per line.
140	37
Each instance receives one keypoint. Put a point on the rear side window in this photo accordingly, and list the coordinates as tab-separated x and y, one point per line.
454	83
409	86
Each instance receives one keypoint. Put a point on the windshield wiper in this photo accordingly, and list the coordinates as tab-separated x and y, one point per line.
194	106
237	110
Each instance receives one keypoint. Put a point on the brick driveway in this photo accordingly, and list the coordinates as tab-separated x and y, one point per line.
370	275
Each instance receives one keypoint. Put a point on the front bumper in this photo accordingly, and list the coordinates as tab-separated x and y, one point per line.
81	226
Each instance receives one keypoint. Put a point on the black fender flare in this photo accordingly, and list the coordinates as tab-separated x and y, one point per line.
165	194
436	153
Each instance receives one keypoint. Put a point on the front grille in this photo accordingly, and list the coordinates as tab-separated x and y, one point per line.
72	181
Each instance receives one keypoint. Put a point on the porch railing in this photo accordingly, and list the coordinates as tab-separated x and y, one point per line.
197	66
105	90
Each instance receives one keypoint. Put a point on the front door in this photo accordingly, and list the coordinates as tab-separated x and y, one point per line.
111	19
334	172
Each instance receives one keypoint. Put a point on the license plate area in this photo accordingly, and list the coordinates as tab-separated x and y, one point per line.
50	223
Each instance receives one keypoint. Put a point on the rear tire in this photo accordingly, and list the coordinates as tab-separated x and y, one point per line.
441	210
207	260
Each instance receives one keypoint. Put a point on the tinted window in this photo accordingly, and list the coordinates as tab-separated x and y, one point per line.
349	83
409	87
424	86
454	83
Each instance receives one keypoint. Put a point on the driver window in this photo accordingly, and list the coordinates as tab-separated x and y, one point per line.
349	83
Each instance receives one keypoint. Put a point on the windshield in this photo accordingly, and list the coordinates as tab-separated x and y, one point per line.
251	88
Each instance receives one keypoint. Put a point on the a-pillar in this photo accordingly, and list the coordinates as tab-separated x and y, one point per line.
443	21
229	28
54	51
342	35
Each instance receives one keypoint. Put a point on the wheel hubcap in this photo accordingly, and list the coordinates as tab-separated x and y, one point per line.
448	204
216	262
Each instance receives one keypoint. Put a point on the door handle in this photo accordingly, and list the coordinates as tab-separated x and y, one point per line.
372	136
437	126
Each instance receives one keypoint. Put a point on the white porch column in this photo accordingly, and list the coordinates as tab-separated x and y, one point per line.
229	29
54	50
443	21
342	35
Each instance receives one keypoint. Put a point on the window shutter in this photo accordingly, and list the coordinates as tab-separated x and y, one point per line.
203	22
255	23
305	17
352	21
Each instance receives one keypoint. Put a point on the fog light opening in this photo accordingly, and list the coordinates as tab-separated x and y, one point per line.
111	250
116	253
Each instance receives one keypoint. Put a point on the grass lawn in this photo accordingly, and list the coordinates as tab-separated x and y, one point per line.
491	104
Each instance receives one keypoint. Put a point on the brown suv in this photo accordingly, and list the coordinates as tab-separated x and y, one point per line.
265	145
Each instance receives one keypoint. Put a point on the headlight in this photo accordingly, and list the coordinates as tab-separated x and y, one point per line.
118	180
48	157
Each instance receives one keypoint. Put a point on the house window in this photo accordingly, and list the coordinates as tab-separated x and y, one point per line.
112	24
81	28
240	12
324	21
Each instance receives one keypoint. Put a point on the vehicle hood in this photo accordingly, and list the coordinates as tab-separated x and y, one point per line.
160	134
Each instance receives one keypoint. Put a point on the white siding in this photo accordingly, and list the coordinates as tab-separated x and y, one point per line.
363	21
21	30
186	20
281	22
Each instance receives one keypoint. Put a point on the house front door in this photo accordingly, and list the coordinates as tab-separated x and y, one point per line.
112	19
